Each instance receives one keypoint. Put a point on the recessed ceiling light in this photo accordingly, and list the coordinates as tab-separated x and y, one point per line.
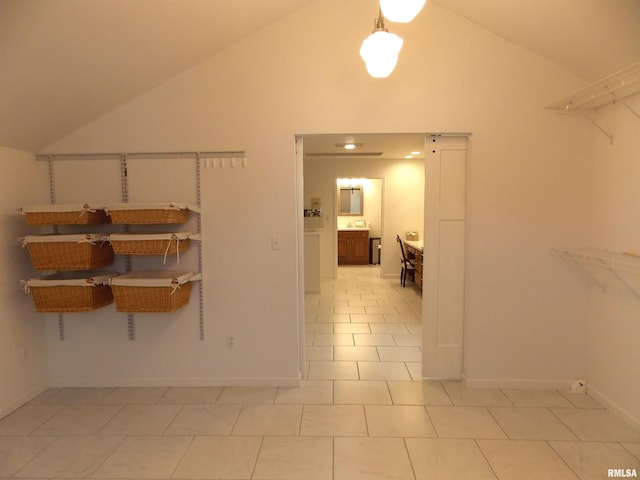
408	156
349	145
415	153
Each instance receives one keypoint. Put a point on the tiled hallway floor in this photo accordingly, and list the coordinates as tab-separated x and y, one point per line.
360	415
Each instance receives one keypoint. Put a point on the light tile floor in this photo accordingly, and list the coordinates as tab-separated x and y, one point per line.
360	414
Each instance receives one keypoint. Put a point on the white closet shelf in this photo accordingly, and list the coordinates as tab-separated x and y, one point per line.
626	262
616	263
610	89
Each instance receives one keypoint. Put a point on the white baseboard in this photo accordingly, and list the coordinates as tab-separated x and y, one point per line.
22	399
526	383
63	382
617	410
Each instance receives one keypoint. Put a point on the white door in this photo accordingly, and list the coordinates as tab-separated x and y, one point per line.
444	247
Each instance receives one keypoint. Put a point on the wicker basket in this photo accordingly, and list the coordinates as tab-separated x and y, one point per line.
59	294
85	214
150	244
132	214
152	292
68	252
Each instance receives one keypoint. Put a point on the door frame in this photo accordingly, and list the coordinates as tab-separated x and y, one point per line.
446	361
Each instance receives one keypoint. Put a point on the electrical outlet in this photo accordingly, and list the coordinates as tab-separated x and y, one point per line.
579	386
231	342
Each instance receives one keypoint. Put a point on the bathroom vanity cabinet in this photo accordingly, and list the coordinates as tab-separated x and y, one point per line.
353	247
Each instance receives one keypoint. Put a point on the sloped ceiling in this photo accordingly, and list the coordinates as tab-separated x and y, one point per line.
64	63
591	38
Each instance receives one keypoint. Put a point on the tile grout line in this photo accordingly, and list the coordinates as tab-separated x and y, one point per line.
193	439
475	441
255	462
562	459
406	448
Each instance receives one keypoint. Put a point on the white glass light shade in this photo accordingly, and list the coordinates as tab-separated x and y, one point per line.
380	53
401	11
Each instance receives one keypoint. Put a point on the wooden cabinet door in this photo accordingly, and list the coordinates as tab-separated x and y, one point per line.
360	249
353	248
418	263
343	249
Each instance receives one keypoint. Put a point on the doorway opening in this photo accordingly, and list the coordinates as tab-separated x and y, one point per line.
395	161
359	221
321	160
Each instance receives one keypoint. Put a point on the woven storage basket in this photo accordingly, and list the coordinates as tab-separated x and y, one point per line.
68	252
132	213
151	292
57	294
64	215
149	244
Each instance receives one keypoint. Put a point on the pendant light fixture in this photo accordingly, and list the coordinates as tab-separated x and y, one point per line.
380	50
401	11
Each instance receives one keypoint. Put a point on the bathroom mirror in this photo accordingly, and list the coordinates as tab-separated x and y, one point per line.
350	200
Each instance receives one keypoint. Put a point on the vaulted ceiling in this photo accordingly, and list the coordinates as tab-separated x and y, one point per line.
591	38
64	63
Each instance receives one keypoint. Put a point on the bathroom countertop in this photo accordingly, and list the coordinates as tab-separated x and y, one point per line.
417	244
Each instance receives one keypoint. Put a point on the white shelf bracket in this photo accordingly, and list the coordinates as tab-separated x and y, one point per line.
586	115
601	129
571	262
624	282
631	109
612	262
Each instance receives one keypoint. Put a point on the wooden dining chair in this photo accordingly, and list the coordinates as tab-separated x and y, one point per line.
408	267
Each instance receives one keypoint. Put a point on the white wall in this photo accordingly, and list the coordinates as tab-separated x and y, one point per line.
23	350
403	202
527	180
373	207
613	328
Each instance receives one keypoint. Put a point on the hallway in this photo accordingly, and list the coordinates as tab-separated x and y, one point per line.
363	327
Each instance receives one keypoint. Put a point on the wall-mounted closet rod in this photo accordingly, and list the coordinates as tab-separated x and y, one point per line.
78	156
448	134
130	155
